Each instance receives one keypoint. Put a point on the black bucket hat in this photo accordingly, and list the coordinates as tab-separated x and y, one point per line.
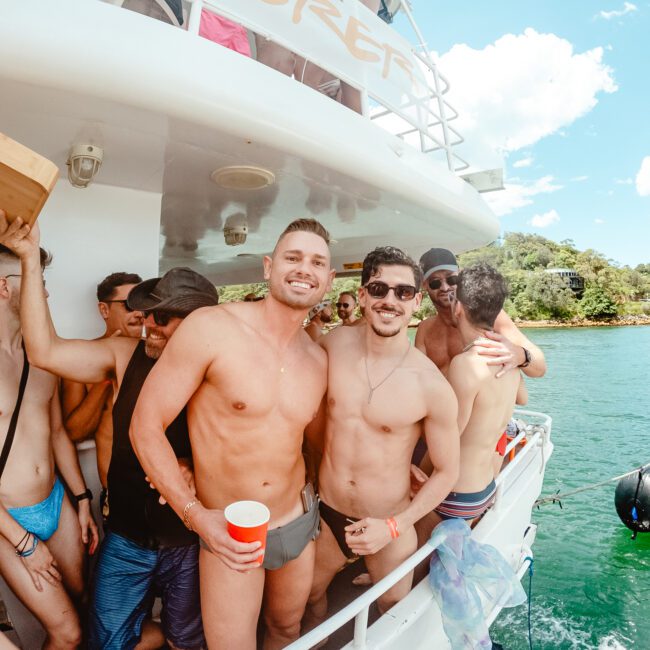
437	259
180	291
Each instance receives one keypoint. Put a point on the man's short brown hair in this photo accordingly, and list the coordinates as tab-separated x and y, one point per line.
106	289
45	256
306	225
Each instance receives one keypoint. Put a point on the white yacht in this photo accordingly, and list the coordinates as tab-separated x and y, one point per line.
196	155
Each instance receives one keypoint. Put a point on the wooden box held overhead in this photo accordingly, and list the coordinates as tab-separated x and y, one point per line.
26	180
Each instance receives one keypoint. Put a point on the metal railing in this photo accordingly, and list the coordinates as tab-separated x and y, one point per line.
358	608
421	121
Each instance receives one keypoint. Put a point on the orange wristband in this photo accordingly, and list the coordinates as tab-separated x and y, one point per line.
392	526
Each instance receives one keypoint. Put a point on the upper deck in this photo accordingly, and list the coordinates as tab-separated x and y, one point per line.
169	108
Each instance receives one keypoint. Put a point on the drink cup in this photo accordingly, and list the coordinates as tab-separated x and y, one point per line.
248	521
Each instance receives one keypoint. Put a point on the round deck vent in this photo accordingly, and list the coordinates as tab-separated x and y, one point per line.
243	177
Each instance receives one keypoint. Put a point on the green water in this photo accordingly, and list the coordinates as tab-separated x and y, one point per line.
591	585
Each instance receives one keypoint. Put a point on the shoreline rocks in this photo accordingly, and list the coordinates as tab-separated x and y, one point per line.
618	321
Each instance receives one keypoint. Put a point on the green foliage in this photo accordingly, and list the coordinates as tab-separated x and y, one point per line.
236	292
545	296
523	258
597	304
535	294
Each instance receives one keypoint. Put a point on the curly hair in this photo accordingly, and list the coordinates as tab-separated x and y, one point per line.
388	256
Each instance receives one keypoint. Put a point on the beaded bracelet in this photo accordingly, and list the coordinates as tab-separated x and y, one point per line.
29	552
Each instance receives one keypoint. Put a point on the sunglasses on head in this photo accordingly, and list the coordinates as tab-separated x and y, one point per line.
123	302
380	290
160	317
342	304
436	283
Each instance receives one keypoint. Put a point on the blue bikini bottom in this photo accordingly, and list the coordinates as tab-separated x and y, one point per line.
41	519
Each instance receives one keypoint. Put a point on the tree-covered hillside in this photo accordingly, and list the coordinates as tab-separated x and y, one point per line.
610	289
523	259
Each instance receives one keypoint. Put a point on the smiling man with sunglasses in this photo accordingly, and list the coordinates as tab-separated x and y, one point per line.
440	340
345	307
383	394
146	543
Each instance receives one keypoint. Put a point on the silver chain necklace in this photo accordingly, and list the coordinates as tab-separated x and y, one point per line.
371	388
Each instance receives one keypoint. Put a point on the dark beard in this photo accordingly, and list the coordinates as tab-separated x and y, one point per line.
151	351
385	335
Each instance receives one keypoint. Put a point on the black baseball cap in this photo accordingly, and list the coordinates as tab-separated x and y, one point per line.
180	290
437	259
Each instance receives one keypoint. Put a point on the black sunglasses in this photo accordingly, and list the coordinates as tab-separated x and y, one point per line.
161	317
380	290
342	304
126	305
436	283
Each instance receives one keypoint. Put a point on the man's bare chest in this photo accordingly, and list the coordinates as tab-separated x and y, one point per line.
442	345
38	392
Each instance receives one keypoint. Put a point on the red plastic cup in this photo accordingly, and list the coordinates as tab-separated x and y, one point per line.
248	521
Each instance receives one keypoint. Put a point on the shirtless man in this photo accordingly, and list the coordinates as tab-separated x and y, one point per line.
485	401
87	408
146	544
319	317
253	380
382	395
345	307
440	340
42	542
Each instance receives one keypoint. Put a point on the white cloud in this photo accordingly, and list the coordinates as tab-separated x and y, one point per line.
546	219
628	8
579	179
643	178
599	221
520	89
523	162
519	195
623	181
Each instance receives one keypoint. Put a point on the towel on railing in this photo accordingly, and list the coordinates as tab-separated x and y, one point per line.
462	570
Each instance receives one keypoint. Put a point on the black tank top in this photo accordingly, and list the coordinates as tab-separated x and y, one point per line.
134	511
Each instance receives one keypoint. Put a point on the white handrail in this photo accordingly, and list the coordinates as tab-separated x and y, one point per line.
436	85
359	606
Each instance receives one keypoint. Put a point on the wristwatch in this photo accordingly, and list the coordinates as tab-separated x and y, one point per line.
528	357
84	495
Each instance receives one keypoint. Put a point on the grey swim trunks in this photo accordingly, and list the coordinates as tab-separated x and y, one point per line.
286	543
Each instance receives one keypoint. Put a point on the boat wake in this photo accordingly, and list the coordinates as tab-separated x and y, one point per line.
552	631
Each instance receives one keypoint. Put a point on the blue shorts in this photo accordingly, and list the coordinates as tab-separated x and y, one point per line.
41	519
124	582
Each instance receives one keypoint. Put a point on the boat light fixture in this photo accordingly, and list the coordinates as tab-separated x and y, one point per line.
243	177
83	163
235	230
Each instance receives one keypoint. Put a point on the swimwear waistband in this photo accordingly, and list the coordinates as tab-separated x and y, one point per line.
467	505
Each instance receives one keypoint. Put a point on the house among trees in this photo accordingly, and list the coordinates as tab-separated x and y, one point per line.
572	278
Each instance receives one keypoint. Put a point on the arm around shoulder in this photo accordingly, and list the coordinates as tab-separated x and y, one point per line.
537	366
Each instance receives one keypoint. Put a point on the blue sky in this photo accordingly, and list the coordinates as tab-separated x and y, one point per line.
558	93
